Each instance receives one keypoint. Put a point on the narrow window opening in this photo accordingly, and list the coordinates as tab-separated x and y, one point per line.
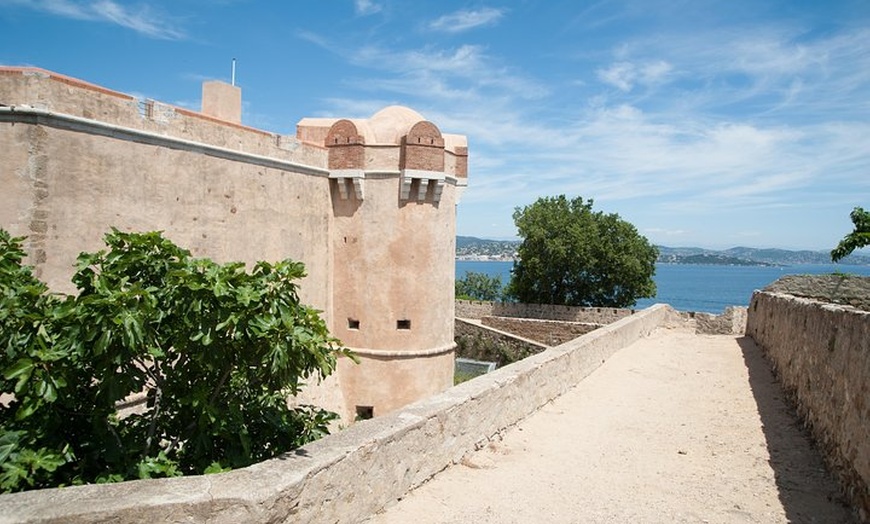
352	323
403	324
365	412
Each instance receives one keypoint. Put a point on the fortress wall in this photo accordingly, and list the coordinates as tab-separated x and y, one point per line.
348	476
487	344
67	187
595	315
821	355
547	332
54	93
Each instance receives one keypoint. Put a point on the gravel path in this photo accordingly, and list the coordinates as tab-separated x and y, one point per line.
675	428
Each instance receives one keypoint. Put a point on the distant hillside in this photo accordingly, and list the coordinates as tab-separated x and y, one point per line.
472	248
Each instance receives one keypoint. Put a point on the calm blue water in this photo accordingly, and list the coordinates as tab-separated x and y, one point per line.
694	287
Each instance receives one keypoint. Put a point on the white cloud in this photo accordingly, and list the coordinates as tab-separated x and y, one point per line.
464	20
366	7
142	19
625	75
693	137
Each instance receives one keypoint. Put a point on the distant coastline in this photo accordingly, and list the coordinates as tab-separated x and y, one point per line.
472	249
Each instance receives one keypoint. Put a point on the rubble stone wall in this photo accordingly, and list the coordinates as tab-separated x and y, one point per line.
596	315
821	355
546	332
479	342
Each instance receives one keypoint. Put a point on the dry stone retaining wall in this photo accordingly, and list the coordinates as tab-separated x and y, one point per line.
546	332
350	475
821	354
595	315
479	342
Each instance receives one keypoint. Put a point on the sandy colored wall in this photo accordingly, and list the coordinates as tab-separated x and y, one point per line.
547	332
56	93
74	186
393	261
348	476
821	355
595	315
478	342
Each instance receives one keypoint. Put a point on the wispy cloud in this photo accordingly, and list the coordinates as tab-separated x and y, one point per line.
690	132
142	18
463	72
366	7
466	19
625	75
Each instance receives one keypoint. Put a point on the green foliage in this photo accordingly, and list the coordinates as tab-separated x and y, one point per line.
857	239
218	350
573	256
479	286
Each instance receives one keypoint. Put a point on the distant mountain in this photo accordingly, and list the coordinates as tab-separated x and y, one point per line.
776	257
472	248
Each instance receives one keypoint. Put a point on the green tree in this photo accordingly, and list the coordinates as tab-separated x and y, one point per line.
575	256
857	239
479	286
218	350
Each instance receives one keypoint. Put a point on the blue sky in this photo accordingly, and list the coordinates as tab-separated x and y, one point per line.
704	123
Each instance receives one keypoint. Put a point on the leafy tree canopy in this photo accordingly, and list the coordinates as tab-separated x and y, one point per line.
479	286
575	256
857	239
217	349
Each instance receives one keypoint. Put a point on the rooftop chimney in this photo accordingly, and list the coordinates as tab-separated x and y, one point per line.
222	101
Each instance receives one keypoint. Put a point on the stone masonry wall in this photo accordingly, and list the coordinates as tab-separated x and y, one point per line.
837	289
546	332
479	342
595	315
821	354
346	477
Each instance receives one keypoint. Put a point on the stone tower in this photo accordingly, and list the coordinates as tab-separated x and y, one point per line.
395	180
368	205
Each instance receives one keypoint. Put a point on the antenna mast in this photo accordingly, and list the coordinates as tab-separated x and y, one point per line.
233	79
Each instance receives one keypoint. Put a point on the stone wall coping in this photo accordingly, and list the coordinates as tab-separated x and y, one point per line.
479	324
36	116
347	476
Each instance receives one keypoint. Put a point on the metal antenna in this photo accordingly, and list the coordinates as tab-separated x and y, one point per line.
233	80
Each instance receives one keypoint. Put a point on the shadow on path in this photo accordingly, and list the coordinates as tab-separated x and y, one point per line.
807	491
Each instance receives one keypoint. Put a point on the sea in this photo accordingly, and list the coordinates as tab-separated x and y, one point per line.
689	287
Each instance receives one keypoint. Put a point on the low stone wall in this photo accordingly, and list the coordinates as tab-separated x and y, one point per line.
594	315
851	290
731	322
479	342
821	354
350	475
546	332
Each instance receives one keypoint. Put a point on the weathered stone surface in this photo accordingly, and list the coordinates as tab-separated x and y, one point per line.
731	322
547	332
479	342
851	290
350	475
821	354
595	315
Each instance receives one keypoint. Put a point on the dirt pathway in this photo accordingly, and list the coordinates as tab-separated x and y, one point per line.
675	428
